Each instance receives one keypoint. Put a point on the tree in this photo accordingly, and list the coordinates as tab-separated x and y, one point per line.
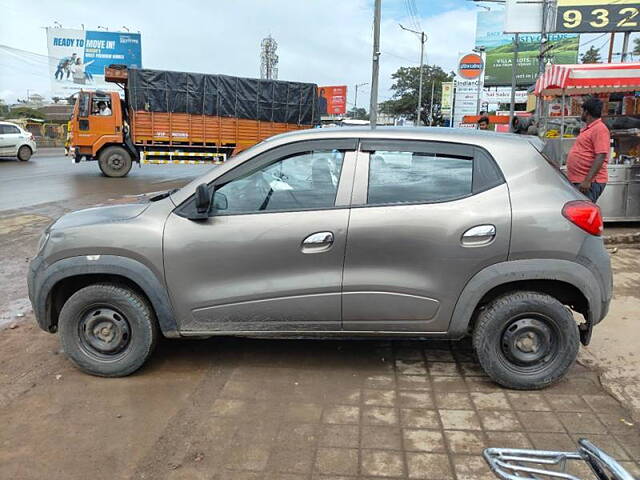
591	56
26	112
56	99
405	92
358	114
636	46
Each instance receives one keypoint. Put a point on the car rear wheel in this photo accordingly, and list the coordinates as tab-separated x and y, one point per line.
107	330
526	340
24	153
115	162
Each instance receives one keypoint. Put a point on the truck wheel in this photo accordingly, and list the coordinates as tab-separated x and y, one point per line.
115	162
526	340
24	153
107	330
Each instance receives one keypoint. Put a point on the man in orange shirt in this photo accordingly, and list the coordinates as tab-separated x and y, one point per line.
588	158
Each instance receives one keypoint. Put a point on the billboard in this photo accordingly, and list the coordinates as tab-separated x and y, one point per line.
77	57
597	16
446	104
499	50
332	100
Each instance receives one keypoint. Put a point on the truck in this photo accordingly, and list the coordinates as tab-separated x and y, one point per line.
179	117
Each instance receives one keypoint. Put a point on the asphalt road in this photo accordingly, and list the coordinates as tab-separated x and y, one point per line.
51	177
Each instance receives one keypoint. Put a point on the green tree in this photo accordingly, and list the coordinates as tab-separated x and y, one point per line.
405	92
591	56
26	112
358	114
636	46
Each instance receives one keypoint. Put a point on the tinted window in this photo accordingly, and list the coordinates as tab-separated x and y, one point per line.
411	177
9	129
307	180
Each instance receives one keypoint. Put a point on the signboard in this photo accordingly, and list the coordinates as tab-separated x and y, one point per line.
499	50
585	16
470	66
502	95
77	58
446	102
332	100
466	101
523	16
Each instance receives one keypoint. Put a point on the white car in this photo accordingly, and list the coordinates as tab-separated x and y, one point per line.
16	142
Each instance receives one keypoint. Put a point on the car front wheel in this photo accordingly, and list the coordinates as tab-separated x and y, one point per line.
107	330
526	340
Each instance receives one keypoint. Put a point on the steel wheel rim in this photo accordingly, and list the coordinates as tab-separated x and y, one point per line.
104	332
115	161
529	343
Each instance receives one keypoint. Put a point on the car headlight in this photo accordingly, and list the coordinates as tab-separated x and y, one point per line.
43	241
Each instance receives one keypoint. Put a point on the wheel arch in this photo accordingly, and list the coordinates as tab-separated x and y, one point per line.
69	275
569	282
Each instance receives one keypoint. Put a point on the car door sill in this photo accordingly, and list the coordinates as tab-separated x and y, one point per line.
313	333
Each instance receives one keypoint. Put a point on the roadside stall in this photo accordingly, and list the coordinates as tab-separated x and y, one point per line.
560	92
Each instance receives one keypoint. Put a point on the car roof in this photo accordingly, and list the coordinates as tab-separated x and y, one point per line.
443	134
3	122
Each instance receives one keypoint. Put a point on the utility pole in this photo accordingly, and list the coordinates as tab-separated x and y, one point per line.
375	67
625	47
480	50
512	106
423	40
611	41
433	84
355	100
546	4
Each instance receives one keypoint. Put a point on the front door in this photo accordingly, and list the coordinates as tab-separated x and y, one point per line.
270	256
426	217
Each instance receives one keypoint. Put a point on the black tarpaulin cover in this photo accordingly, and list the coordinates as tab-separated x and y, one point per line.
222	95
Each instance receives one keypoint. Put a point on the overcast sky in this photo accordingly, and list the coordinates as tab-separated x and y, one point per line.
327	42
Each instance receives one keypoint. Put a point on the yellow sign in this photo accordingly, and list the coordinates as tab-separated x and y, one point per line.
583	16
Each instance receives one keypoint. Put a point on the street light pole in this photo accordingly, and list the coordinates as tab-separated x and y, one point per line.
355	100
375	67
423	40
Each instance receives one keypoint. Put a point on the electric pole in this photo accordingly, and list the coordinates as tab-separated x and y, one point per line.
375	67
423	39
269	58
355	100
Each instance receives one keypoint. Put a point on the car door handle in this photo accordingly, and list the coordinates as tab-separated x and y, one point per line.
317	242
478	236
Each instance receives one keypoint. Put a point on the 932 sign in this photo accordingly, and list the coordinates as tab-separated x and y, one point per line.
581	16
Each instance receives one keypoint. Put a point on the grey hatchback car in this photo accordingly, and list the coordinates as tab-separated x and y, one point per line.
410	233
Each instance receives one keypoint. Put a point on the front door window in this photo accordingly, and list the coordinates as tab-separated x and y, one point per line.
303	181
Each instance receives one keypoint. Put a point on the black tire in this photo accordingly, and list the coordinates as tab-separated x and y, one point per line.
526	340
126	317
115	162
24	153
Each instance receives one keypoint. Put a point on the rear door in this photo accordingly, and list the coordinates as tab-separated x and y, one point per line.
426	216
10	137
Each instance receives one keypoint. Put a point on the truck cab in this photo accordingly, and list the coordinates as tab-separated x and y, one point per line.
97	123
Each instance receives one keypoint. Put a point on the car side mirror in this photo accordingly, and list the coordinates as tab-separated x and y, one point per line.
203	202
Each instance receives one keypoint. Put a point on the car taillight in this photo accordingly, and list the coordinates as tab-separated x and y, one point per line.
585	215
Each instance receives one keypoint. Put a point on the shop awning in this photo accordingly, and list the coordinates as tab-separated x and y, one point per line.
589	78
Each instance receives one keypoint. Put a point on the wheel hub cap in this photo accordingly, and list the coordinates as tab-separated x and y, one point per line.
527	341
105	331
115	162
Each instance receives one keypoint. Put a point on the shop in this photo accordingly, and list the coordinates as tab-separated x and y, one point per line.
560	93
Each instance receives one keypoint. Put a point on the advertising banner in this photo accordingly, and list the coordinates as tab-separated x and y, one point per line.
77	58
495	95
588	16
499	50
332	100
446	102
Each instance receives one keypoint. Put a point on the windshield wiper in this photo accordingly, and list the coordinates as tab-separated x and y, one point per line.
162	195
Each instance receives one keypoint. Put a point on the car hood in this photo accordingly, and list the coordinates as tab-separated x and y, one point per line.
106	214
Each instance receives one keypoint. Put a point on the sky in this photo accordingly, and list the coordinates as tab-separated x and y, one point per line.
327	42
